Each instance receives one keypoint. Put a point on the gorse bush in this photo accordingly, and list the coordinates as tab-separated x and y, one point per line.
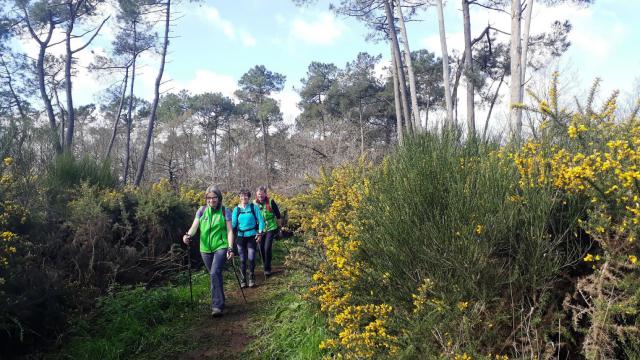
452	241
478	251
358	326
66	172
595	155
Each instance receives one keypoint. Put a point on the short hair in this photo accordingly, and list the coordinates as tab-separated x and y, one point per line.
244	192
262	188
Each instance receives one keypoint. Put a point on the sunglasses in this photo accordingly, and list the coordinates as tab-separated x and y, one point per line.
211	197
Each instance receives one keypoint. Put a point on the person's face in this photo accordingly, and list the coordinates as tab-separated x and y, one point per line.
261	194
212	199
243	199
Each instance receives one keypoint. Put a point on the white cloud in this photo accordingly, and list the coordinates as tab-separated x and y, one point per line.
322	31
455	41
209	81
247	39
228	29
288	100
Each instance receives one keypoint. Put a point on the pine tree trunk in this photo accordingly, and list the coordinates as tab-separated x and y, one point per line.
402	83
526	27
266	157
516	71
156	98
71	113
468	69
214	167
396	98
417	124
493	102
43	87
445	66
130	106
119	113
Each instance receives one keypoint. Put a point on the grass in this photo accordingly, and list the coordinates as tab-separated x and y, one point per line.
151	323
139	323
290	327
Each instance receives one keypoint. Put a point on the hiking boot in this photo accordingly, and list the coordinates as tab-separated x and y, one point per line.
216	312
252	280
243	284
267	273
243	281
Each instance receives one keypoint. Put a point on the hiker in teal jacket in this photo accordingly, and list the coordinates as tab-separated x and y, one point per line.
272	220
216	242
249	225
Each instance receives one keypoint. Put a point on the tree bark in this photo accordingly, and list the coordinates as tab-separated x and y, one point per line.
493	102
445	66
229	147
127	150
214	167
525	48
396	98
120	106
41	78
417	124
361	122
516	71
71	113
156	98
402	83
265	135
468	69
15	97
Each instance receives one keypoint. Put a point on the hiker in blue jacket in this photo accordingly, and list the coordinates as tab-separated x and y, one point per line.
248	222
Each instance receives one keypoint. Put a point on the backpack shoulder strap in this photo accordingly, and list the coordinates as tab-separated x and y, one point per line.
237	211
200	211
255	217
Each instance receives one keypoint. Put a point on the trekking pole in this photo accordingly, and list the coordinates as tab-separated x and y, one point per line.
189	266
262	259
235	272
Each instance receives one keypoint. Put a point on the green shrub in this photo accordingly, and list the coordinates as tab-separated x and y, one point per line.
457	248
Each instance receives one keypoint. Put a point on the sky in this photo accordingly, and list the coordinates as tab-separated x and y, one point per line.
215	42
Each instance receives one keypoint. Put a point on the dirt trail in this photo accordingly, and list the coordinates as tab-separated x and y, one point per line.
226	337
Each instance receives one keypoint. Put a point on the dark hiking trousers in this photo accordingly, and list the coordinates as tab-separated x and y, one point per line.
265	248
246	250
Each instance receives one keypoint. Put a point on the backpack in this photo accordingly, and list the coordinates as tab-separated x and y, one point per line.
255	218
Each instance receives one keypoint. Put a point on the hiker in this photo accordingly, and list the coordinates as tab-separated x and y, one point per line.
273	221
216	242
248	224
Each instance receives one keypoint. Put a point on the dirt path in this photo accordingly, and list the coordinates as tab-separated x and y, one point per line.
226	337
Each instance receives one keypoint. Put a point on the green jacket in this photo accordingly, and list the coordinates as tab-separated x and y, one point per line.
213	229
270	218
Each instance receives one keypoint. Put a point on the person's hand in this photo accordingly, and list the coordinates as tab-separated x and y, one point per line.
186	239
259	237
229	253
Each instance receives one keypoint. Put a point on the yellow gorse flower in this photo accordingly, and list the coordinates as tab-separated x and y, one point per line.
360	329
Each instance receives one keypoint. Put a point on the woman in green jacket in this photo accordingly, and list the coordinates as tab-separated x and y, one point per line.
273	221
216	242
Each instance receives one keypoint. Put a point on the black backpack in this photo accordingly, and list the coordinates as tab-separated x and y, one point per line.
255	218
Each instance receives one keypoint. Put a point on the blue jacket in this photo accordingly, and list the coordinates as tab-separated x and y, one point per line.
244	222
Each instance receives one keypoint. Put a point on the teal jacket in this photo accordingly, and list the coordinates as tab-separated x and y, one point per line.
245	222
